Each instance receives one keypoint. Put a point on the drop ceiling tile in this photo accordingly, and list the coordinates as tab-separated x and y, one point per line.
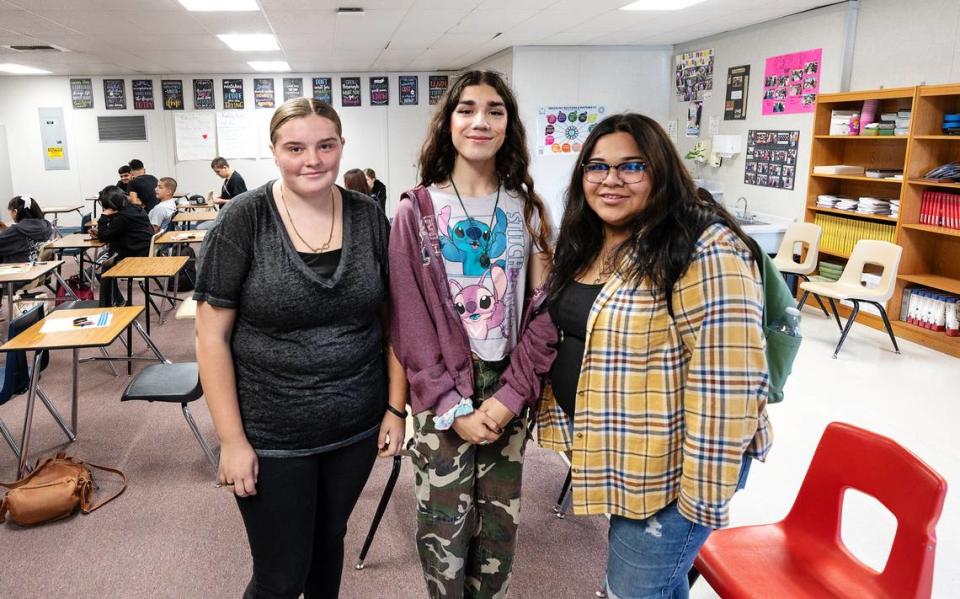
492	21
314	22
372	21
232	22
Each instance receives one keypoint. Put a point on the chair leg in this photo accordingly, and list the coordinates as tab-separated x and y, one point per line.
56	415
8	437
836	313
106	354
846	329
564	491
886	323
384	500
822	307
203	442
803	300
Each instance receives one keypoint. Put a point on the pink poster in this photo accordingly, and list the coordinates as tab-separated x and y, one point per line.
791	82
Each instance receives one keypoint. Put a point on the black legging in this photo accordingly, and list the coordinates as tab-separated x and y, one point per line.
298	518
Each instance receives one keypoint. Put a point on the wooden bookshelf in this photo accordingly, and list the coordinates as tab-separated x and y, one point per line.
931	254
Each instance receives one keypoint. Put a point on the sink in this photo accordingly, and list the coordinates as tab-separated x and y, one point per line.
748	221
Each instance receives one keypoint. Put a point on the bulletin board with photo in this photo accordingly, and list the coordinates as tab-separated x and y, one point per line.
791	82
694	75
771	159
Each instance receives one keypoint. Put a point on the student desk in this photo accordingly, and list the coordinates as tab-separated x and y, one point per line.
181	237
78	241
194	216
56	211
13	274
95	203
34	339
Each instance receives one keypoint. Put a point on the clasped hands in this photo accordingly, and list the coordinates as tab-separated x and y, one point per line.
485	424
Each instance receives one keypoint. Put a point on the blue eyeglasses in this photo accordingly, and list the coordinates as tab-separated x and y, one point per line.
628	172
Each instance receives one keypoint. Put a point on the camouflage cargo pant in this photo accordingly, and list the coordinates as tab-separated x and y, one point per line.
468	509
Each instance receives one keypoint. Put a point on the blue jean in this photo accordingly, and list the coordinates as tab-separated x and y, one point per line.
650	558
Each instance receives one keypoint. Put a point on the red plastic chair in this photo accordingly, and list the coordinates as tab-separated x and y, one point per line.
803	556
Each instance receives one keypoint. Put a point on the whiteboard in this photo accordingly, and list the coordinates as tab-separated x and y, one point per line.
195	135
263	142
237	134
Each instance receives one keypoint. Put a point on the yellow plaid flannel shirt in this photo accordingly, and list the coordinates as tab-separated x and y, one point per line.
667	407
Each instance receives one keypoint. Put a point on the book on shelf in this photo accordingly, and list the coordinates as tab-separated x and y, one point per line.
940	209
844	122
931	309
883	173
838	169
840	234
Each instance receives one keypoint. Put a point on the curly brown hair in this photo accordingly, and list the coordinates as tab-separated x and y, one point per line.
438	154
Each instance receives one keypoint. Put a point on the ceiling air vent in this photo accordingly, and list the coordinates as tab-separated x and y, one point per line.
35	48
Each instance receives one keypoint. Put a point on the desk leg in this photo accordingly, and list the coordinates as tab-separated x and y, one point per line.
146	300
9	304
28	418
74	399
129	330
153	346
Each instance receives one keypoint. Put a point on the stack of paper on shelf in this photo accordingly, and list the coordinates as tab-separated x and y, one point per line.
884	173
869	205
827	201
838	169
902	122
844	122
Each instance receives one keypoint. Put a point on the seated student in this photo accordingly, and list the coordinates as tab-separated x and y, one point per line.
29	228
354	180
124	172
233	183
126	229
378	190
166	207
142	187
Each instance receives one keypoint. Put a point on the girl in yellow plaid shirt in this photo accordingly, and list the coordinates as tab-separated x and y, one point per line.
659	388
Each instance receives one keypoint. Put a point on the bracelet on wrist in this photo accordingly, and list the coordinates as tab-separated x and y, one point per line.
396	412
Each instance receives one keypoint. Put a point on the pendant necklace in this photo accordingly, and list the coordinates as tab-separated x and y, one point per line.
484	257
606	269
333	222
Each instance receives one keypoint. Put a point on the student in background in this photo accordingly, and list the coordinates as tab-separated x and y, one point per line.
166	207
293	356
354	180
378	190
474	349
125	228
142	187
124	172
28	230
233	183
660	385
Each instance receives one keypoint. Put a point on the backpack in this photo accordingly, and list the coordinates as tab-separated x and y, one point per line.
781	349
187	276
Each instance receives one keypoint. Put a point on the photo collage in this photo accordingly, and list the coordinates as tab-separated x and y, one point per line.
771	159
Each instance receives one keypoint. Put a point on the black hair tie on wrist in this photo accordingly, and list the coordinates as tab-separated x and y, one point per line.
396	412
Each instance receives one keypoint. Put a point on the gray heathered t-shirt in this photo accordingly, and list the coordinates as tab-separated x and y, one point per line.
307	349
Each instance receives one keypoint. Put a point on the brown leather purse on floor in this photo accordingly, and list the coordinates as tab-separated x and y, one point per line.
54	490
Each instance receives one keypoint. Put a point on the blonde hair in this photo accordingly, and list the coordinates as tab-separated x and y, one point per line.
297	108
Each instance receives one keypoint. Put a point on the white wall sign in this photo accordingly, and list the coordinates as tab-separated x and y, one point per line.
194	132
237	134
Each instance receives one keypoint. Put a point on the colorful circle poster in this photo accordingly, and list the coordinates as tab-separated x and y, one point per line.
563	129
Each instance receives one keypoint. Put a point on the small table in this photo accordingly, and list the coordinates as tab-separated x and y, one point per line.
11	274
181	237
78	241
194	216
56	211
34	339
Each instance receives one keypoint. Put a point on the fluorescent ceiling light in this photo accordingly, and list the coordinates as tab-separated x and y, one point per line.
19	69
250	42
660	4
220	5
269	65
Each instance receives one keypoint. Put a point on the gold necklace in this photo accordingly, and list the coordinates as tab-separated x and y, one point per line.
333	222
606	269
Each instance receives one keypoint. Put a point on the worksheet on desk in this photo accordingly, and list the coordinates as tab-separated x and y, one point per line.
62	325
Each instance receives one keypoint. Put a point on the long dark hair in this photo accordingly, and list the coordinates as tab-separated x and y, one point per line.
438	154
355	180
113	198
662	236
23	210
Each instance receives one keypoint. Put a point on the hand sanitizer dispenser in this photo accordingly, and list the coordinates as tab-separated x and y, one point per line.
724	146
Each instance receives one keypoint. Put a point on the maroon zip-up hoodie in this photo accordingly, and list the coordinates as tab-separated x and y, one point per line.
427	335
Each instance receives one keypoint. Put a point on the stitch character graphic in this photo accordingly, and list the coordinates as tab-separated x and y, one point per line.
481	306
473	242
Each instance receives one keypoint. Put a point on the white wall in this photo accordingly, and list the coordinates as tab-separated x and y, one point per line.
501	62
822	28
385	138
622	78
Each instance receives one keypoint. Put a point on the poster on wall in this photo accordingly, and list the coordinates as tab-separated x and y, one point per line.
263	93
172	91
350	91
292	88
694	75
771	159
81	92
233	94
409	90
237	134
114	94
738	83
791	82
203	98
563	129
694	113
142	94
194	135
379	91
323	89
437	87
